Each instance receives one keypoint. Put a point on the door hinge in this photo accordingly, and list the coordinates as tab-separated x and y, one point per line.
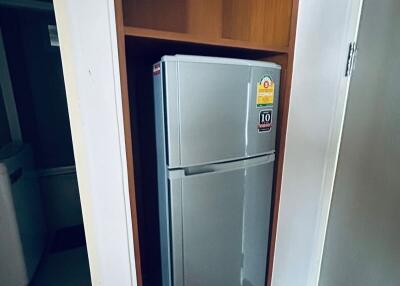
53	35
351	56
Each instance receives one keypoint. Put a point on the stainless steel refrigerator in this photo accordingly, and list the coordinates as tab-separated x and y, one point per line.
216	122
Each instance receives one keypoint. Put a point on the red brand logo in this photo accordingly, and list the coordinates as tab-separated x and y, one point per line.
156	69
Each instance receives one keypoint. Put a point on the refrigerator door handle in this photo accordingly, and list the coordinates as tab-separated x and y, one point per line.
221	167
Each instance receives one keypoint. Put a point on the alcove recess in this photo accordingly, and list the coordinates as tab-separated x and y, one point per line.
148	29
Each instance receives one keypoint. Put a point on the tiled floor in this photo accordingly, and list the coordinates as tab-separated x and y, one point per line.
65	268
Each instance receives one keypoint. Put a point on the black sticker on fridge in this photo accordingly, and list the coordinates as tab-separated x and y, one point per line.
265	121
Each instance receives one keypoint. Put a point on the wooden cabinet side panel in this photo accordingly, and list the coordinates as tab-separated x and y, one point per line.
128	136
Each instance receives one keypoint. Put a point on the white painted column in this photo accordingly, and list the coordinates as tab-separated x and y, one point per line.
88	42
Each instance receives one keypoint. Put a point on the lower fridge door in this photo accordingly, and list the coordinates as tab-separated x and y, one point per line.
220	216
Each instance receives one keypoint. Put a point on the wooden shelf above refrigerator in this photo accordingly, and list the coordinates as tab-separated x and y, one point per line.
193	39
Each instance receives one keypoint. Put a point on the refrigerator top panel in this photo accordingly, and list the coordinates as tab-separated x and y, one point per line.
217	109
216	60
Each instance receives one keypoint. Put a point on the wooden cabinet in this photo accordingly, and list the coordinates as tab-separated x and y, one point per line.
149	29
258	24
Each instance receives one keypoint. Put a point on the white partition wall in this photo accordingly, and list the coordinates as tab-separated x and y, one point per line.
90	62
88	43
362	243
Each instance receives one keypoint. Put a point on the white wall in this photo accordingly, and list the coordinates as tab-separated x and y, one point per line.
364	231
89	55
88	43
318	98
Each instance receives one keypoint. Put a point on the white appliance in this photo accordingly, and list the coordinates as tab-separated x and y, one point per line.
22	226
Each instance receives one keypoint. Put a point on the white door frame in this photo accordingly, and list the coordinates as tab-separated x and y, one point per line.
88	43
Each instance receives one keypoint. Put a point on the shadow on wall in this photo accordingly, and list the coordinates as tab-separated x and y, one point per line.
60	194
247	283
38	85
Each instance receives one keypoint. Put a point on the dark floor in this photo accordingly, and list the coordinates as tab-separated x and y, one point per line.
66	261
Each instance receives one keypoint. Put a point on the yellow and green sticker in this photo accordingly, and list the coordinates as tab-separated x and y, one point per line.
265	92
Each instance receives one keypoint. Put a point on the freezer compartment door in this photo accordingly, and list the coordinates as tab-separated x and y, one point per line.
212	112
220	223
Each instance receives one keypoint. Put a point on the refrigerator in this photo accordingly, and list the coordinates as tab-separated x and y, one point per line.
216	121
